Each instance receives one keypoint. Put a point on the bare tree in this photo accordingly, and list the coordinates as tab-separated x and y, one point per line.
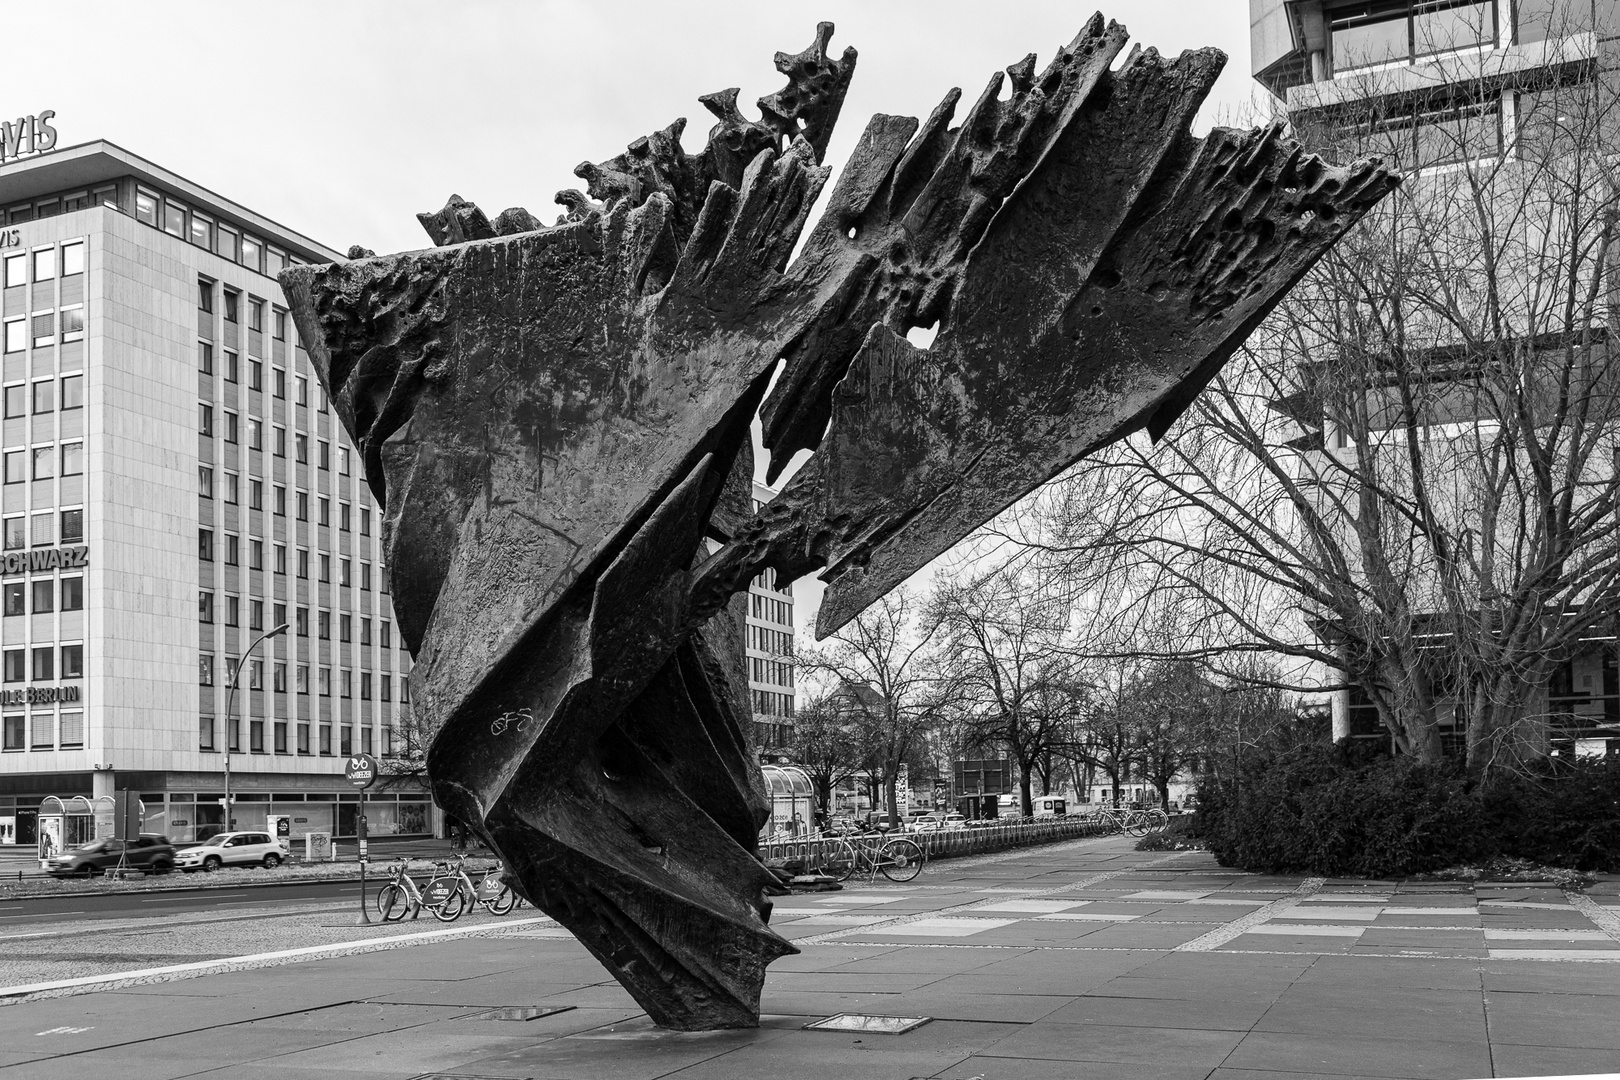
827	745
882	680
1003	650
1408	476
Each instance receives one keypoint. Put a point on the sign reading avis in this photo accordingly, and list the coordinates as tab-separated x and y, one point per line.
361	770
27	135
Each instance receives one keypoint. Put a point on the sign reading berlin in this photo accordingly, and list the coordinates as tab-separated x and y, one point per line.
28	562
27	135
39	695
361	771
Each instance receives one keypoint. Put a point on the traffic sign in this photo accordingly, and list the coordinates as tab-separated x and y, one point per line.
361	771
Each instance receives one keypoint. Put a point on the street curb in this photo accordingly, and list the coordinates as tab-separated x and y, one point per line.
91	984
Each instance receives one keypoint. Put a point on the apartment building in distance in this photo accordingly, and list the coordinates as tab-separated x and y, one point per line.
175	485
769	650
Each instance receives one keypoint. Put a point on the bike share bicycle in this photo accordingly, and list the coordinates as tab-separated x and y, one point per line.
448	893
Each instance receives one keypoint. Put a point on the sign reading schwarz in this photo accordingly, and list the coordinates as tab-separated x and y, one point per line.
31	562
39	695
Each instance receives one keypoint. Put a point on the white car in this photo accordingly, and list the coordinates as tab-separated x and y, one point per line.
232	849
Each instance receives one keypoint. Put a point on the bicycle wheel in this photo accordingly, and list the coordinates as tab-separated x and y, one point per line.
443	897
1160	819
504	901
1138	825
839	860
900	860
392	903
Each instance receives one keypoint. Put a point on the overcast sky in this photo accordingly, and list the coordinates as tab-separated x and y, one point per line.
342	119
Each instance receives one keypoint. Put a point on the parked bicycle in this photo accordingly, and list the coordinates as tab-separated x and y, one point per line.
1134	822
452	891
898	859
400	896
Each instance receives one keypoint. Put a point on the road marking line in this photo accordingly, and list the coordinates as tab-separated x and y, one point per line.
41	915
1242	925
236	963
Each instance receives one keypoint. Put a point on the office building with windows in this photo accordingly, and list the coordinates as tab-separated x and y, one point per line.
175	486
770	653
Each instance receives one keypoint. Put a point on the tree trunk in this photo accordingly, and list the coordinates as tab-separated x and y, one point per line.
1163	789
890	782
1024	800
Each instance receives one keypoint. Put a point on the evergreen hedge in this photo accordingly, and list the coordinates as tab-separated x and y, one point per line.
1322	810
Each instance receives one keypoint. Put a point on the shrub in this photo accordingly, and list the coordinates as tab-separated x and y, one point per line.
1325	810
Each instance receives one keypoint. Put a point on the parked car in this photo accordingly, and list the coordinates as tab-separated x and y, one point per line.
233	849
927	820
151	854
953	820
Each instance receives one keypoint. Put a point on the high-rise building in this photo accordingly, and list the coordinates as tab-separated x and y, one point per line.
175	486
770	652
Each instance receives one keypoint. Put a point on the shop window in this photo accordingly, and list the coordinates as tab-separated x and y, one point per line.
73	526
72	392
73	593
14	601
73	661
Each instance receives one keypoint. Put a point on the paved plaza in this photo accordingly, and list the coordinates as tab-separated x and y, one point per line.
1084	959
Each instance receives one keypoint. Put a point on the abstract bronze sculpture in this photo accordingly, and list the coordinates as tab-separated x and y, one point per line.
556	421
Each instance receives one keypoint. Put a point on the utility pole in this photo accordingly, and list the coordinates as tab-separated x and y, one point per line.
230	708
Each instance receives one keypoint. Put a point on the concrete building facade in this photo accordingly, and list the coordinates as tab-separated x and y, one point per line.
175	486
769	651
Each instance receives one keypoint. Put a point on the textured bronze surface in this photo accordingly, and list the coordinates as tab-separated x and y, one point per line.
556	421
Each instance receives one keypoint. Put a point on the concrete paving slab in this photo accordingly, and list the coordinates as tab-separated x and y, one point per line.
1516	1060
1318	1053
1125	1045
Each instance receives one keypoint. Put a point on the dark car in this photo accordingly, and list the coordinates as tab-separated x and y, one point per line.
151	854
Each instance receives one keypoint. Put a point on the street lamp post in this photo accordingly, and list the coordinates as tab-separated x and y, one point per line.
230	710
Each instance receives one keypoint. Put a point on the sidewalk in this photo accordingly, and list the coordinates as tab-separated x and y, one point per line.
1079	960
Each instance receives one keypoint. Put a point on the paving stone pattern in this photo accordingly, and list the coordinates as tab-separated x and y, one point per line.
1077	960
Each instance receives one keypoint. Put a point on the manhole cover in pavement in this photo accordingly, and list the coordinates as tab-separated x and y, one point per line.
879	1025
522	1012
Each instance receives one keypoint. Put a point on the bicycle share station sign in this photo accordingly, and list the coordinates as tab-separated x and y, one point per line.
361	771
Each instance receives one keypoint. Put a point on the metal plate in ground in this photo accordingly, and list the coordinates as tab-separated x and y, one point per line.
877	1025
523	1012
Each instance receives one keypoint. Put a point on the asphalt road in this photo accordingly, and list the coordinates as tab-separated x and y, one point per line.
68	907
